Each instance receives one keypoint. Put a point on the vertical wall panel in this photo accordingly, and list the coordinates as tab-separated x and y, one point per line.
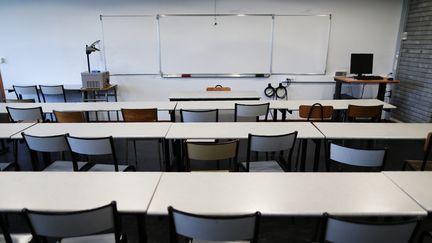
413	95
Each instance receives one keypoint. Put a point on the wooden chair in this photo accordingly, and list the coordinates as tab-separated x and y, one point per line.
364	113
212	151
141	115
424	164
280	147
360	230
316	112
70	116
251	111
200	228
50	91
26	91
365	159
93	225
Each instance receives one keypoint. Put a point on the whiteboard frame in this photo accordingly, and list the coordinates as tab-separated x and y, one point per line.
219	75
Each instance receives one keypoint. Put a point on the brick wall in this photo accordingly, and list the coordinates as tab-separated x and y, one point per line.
413	96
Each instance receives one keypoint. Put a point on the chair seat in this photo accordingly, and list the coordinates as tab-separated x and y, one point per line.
417	164
102	238
64	166
109	167
264	166
4	166
18	238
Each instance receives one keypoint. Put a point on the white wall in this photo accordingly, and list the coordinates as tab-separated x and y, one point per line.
43	41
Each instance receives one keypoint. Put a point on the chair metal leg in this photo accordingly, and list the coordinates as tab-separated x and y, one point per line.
135	153
159	144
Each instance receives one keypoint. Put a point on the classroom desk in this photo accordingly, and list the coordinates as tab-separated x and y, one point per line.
282	194
94	106
348	80
416	184
7	130
280	105
354	130
66	191
240	130
214	95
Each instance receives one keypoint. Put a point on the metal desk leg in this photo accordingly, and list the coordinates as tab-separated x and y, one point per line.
172	115
167	158
283	111
338	91
303	155
381	91
142	231
275	112
317	154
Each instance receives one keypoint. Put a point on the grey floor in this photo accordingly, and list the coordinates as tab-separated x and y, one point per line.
272	229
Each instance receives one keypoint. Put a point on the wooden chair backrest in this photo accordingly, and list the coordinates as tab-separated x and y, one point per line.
70	116
373	113
316	112
20	101
140	115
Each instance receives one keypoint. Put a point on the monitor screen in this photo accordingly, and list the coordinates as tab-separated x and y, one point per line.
361	63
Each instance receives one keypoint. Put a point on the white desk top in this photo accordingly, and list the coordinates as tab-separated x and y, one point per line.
240	130
91	106
416	184
69	191
279	104
353	130
9	129
103	129
204	95
343	194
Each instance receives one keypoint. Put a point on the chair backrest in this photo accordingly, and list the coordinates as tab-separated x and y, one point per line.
70	116
92	146
140	115
208	228
199	115
46	144
364	113
427	150
316	112
212	151
25	114
26	91
20	101
52	90
251	111
60	225
271	143
340	230
367	158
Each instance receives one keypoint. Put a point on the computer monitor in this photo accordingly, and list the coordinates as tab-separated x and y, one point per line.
361	63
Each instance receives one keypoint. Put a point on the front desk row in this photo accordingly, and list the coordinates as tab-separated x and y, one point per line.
68	227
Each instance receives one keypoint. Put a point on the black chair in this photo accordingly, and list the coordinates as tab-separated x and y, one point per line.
26	92
251	111
89	225
51	91
213	228
199	115
7	237
362	230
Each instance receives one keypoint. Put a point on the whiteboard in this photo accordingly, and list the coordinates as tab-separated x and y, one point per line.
235	45
300	44
131	44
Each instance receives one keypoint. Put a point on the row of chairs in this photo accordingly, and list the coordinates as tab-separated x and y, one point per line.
103	224
46	91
